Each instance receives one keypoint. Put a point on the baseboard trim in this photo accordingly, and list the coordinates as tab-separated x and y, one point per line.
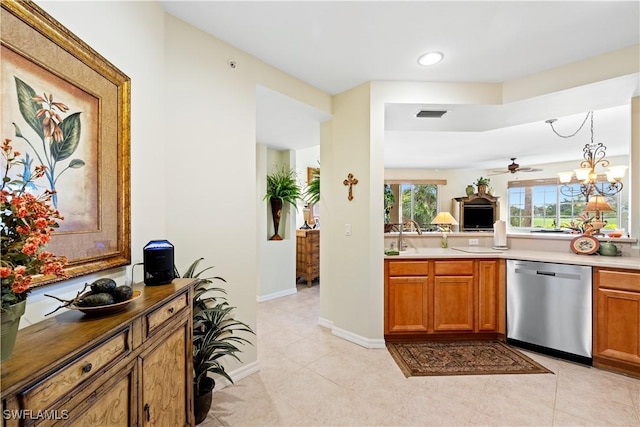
237	374
358	339
350	336
326	323
275	295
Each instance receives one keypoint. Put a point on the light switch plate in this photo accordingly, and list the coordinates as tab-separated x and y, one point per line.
473	242
347	229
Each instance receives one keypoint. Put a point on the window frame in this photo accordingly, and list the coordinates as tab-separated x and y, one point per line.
553	182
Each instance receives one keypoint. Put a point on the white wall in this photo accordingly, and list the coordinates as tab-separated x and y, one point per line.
350	267
212	112
193	155
193	144
140	28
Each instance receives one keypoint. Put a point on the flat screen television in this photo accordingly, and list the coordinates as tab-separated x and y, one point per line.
478	218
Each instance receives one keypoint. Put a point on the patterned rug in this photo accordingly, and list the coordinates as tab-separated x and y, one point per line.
461	358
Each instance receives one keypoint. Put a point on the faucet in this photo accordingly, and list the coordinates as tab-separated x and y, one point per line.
416	224
400	242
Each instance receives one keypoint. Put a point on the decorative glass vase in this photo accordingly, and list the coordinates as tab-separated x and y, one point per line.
469	190
10	320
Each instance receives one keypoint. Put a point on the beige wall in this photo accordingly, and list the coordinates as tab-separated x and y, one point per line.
193	143
193	156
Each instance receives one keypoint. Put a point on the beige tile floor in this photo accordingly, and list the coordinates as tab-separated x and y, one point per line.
309	377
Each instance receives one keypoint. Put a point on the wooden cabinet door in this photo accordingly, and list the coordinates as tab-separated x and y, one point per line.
408	304
453	303
618	325
487	296
165	379
114	404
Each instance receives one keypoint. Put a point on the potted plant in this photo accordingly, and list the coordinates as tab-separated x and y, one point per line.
27	224
214	337
312	196
312	192
389	200
482	184
282	188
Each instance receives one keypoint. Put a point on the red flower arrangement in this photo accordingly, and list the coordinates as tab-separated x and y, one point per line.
27	223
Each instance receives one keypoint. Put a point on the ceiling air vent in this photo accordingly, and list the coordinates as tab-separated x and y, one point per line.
431	114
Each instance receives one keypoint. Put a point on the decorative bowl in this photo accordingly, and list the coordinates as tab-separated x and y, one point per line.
101	310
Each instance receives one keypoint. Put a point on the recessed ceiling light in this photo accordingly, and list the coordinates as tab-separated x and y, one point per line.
430	58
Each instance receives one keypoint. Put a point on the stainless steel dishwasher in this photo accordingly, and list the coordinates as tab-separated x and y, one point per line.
549	308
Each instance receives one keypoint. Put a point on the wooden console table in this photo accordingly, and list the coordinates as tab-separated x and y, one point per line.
308	255
110	370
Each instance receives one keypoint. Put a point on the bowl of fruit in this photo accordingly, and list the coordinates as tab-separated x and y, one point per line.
100	297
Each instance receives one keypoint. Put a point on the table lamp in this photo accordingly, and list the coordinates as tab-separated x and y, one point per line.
597	204
444	220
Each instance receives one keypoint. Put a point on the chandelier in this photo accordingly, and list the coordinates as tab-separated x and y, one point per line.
594	157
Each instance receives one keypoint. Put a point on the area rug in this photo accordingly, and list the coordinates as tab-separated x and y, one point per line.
461	358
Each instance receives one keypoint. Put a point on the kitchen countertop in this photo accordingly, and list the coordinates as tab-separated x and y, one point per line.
595	260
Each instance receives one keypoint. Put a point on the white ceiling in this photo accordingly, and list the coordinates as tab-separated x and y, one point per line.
336	45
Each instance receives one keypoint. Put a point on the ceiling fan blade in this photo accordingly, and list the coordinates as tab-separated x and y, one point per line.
529	170
498	172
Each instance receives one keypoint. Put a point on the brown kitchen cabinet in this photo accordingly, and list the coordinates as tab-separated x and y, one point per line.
407	297
308	255
444	298
109	370
616	329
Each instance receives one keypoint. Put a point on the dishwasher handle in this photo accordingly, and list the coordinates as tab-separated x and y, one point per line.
558	275
545	273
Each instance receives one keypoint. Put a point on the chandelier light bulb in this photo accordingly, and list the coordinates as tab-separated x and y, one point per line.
616	172
582	174
565	177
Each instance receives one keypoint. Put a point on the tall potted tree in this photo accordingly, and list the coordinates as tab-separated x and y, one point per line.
214	337
282	188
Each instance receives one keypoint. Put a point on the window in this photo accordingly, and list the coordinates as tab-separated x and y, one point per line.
419	202
540	204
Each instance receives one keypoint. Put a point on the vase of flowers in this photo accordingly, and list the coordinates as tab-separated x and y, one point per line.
27	223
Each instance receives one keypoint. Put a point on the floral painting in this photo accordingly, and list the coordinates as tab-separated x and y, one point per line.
66	107
54	123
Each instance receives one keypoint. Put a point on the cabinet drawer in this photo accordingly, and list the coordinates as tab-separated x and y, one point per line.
82	369
454	268
166	312
408	268
623	280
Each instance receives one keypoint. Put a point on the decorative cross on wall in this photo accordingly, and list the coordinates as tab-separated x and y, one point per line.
350	181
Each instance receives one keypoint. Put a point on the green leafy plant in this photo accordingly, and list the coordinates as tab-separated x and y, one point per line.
482	181
282	185
389	200
214	329
312	192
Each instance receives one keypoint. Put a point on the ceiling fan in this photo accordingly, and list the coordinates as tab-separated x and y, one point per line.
514	167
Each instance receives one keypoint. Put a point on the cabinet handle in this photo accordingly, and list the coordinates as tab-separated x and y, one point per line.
147	411
86	367
171	310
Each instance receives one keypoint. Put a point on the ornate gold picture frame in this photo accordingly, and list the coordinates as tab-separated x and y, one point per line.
90	165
